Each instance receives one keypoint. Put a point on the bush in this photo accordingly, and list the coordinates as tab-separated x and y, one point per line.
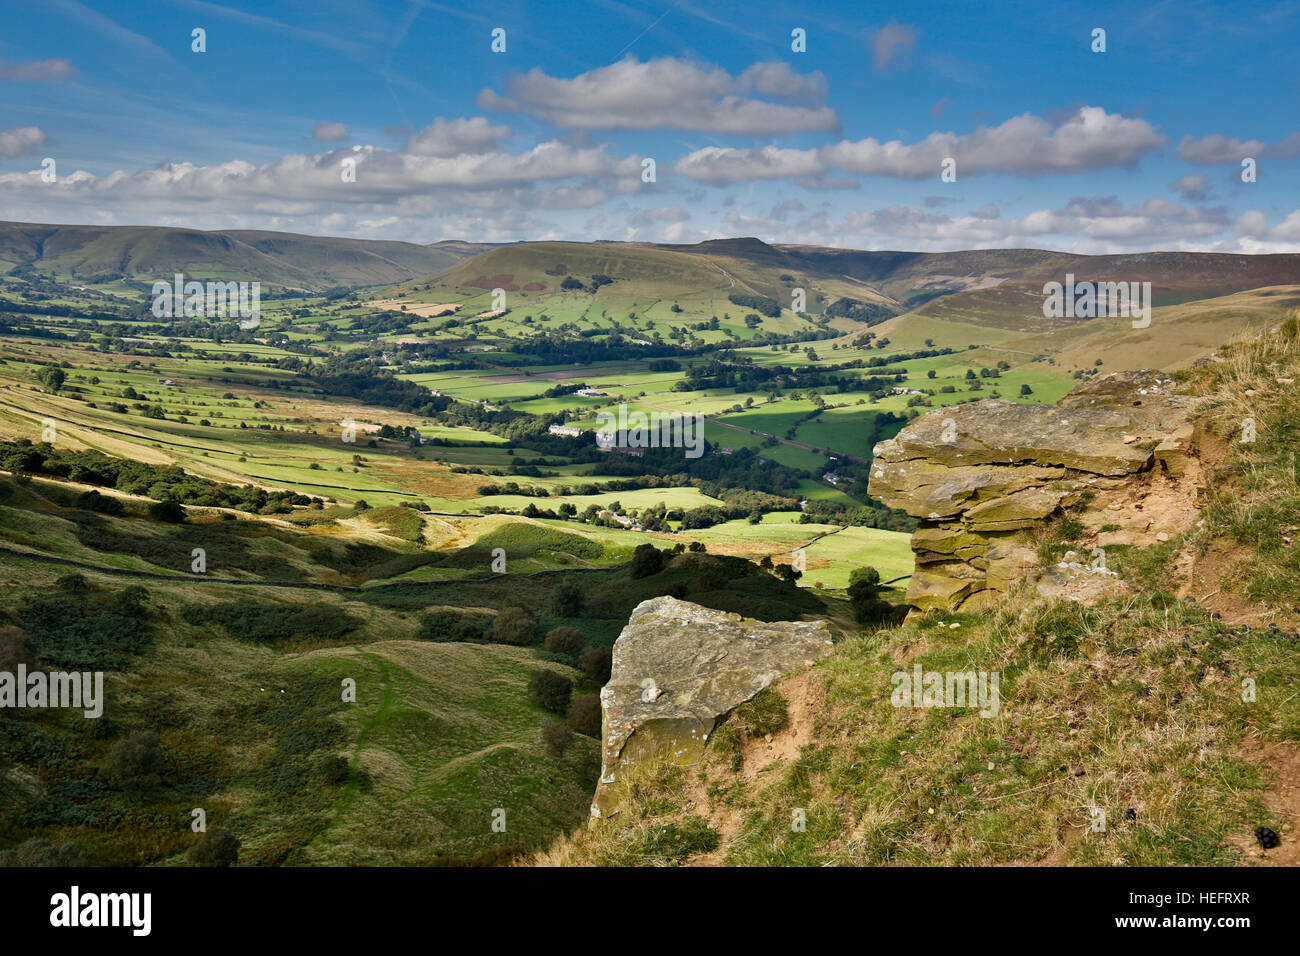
564	640
74	627
567	599
135	763
558	738
334	769
39	851
270	622
513	625
468	628
94	501
216	847
550	690
646	560
167	510
13	647
864	596
596	663
584	714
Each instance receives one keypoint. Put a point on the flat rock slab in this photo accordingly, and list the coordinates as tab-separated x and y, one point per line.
678	669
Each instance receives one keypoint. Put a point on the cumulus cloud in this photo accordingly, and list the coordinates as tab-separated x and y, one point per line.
717	165
1218	150
1024	145
1289	148
456	137
497	188
330	132
17	140
672	93
1094	224
36	71
891	42
1194	188
1253	226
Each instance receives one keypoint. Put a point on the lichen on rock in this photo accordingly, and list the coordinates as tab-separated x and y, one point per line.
678	669
982	476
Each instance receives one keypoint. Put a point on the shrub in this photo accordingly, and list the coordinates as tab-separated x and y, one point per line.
646	560
334	769
558	738
40	851
94	501
513	625
596	663
564	640
550	690
135	763
567	599
216	847
584	714
13	647
167	510
864	596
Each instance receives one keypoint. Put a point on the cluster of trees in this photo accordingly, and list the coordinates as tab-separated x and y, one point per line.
570	284
759	303
165	483
870	313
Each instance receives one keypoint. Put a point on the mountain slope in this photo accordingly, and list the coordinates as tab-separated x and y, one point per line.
147	253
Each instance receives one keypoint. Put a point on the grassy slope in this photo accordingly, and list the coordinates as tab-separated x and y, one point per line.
441	735
1133	707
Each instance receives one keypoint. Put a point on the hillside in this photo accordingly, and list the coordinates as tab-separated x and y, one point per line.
93	254
235	677
1152	724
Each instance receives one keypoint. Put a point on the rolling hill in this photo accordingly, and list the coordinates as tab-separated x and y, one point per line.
283	260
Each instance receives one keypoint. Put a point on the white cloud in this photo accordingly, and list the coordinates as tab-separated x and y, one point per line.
330	132
296	190
717	165
1218	150
455	137
36	71
1025	145
17	140
673	94
1195	188
892	41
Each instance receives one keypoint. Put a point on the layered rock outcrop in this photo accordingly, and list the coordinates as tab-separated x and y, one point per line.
980	477
678	669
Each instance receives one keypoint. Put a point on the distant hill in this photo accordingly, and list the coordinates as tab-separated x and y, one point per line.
277	259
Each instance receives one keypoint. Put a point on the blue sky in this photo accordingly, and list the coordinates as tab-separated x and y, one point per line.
1053	145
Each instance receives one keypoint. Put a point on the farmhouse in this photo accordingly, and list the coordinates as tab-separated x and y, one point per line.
568	431
590	393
